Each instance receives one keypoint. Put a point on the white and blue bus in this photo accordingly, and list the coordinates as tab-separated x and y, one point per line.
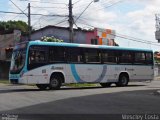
50	64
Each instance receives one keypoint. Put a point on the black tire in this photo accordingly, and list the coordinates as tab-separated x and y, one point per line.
105	84
55	82
42	86
123	80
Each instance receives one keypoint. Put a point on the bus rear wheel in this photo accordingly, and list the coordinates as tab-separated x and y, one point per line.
123	80
105	84
42	86
55	82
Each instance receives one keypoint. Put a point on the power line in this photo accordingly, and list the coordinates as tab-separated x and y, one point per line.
114	3
103	3
48	7
129	37
9	12
77	2
86	3
86	24
152	43
18	7
126	35
60	22
18	15
38	21
84	10
43	2
135	38
111	4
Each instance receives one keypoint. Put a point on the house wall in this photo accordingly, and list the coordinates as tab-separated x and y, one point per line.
56	32
80	36
6	40
90	35
4	69
60	33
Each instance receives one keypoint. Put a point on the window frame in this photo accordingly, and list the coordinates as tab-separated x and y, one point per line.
86	51
109	52
55	56
69	54
121	59
35	64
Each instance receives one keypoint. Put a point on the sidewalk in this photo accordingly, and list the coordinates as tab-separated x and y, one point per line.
157	78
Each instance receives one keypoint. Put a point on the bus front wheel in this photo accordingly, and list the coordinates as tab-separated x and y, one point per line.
123	80
105	84
55	82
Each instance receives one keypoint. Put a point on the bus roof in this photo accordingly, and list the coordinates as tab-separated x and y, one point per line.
38	42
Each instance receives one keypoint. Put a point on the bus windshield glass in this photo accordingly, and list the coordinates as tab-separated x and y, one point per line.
18	59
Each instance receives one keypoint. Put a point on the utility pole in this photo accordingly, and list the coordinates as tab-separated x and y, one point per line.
70	22
29	22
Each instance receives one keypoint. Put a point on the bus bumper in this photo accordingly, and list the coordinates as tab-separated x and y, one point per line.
14	81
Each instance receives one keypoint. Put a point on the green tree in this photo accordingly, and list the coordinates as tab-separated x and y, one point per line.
156	58
9	26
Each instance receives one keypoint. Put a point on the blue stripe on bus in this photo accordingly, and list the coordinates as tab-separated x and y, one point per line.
78	79
75	74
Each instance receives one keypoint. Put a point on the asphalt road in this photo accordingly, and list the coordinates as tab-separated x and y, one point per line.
25	101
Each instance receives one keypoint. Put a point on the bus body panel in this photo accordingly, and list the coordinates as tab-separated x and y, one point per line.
141	73
82	72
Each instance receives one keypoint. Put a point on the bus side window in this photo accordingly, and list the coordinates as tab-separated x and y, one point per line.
92	56
31	56
51	54
125	57
57	54
75	55
139	58
149	58
109	57
37	56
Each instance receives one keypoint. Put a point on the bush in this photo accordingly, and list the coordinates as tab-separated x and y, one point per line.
50	39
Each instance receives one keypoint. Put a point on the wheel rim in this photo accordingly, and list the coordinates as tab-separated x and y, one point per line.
124	80
54	82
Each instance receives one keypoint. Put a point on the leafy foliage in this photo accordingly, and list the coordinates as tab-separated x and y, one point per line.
51	39
157	56
9	26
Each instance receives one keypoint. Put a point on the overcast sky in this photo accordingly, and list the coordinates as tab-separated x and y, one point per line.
134	18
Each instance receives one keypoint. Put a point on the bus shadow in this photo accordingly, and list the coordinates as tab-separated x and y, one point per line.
97	87
63	88
18	90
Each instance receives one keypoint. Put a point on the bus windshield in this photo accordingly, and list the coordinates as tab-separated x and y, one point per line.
18	60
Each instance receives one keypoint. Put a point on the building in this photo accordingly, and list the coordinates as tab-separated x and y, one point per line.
96	36
6	47
7	41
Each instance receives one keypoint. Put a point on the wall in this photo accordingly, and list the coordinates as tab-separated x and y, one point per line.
60	33
4	69
6	40
157	70
90	35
